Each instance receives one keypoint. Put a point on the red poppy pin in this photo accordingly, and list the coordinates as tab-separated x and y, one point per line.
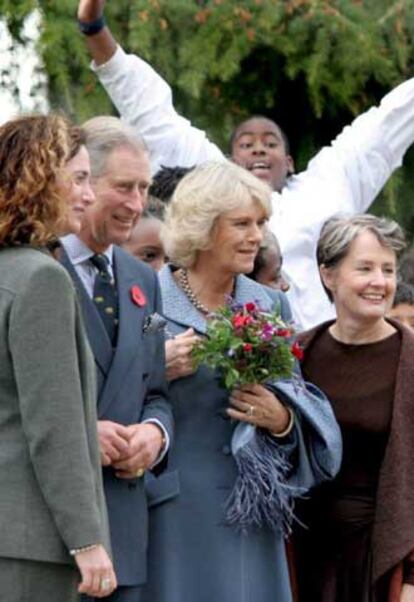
138	296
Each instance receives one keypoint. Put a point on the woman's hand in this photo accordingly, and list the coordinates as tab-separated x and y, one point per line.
259	406
407	593
179	361
97	573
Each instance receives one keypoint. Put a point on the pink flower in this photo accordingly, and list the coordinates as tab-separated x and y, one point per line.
250	307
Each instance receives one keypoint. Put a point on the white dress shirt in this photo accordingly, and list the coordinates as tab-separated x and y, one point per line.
344	177
79	254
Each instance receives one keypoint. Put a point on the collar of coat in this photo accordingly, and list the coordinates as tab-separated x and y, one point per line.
178	308
393	533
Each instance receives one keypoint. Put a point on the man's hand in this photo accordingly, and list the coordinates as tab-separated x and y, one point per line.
179	361
90	10
113	441
145	444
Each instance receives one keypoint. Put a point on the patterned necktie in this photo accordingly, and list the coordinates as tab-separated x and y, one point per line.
105	296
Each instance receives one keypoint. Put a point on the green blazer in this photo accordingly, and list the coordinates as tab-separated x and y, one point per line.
51	497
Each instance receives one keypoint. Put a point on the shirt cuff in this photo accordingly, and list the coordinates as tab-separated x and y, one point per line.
166	445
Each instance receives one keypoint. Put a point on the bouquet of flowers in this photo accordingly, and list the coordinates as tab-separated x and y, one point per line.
248	345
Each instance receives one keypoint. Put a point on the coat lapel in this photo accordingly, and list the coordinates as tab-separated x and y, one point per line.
129	332
97	335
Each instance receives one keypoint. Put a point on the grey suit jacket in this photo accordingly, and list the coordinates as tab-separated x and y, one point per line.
131	389
51	497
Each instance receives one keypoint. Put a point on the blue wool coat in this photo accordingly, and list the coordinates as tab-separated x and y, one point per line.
194	556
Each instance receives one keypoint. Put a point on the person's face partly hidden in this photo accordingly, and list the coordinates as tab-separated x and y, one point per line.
404	313
76	178
271	273
363	284
121	193
236	238
259	147
145	242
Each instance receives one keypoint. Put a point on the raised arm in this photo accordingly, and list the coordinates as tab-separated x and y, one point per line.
144	99
101	45
366	152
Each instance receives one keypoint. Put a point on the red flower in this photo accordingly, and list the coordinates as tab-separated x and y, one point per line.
250	306
297	351
238	321
138	296
283	332
247	347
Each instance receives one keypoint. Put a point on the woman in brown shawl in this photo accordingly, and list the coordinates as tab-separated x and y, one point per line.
359	541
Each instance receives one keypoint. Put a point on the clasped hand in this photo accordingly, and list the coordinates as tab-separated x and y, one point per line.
257	405
129	449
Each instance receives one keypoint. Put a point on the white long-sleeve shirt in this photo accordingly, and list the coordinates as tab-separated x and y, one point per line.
344	177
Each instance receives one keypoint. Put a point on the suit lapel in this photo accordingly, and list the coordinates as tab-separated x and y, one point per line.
129	332
97	335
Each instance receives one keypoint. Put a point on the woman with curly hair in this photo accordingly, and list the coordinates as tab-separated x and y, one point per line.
52	519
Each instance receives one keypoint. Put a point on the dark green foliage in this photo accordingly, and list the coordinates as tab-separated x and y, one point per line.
310	64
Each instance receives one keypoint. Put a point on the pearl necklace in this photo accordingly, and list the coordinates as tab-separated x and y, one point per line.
185	285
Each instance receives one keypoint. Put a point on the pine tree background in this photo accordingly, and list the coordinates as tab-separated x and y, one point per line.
311	65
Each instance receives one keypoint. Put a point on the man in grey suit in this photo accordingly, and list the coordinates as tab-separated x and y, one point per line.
118	295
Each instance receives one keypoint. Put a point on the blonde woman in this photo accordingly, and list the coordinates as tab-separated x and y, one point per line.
213	229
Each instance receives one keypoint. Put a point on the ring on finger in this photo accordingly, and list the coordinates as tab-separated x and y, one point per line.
139	473
250	411
105	584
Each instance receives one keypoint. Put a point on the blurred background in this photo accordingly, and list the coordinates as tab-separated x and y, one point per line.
311	65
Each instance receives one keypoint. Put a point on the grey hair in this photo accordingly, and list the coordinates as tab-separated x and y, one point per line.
104	134
338	233
208	191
